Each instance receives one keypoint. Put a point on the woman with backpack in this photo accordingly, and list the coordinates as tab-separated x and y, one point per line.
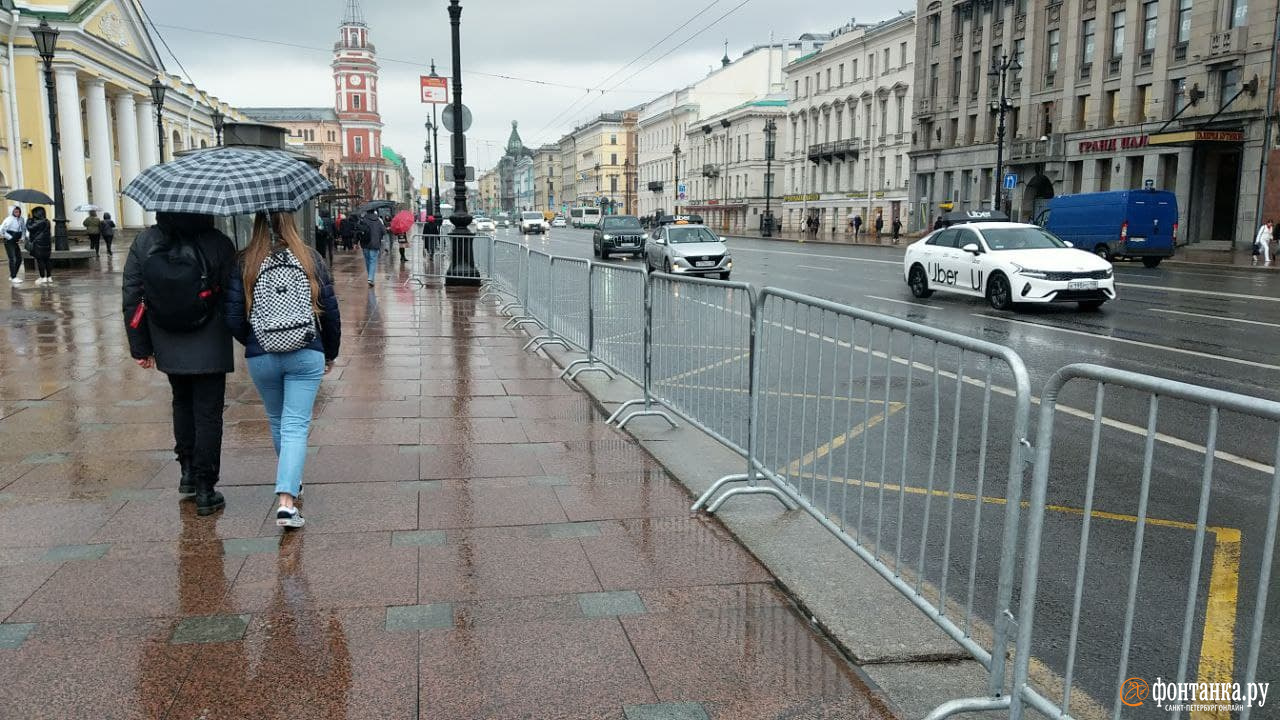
281	306
40	243
108	230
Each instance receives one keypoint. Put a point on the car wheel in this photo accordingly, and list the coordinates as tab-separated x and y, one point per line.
595	250
999	293
918	281
1090	305
1103	252
1151	262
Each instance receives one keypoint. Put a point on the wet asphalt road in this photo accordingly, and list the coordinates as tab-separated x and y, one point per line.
1214	327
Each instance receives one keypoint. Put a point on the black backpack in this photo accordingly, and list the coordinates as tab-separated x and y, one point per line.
362	233
180	293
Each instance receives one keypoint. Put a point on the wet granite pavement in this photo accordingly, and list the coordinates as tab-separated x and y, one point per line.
479	544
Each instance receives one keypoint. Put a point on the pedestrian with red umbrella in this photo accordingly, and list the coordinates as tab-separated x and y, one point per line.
401	224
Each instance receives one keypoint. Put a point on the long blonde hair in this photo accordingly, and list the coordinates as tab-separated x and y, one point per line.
271	234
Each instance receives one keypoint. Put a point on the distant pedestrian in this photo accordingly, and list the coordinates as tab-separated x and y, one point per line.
347	231
1262	243
938	224
173	312
108	230
431	230
369	233
281	306
93	226
879	226
40	243
14	228
326	234
401	225
857	226
897	229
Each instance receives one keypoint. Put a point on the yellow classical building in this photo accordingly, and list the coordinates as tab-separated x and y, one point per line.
103	68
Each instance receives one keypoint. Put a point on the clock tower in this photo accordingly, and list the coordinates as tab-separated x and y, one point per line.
355	80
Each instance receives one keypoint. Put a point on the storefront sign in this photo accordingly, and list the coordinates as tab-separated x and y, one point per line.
862	195
1190	136
1127	142
811	197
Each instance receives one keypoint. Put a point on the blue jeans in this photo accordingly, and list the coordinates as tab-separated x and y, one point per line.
288	383
370	262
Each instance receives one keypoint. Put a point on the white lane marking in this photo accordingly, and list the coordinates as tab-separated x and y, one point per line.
1211	293
1139	343
814	255
1138	276
1213	317
901	302
811	267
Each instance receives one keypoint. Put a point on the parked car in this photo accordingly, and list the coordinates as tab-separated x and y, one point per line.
504	223
531	221
1008	264
484	224
558	222
682	247
618	234
1117	225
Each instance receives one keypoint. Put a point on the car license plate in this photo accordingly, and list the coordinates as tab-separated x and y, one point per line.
1082	285
1137	239
704	263
626	244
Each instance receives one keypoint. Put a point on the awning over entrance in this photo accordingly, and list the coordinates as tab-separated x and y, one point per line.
1191	137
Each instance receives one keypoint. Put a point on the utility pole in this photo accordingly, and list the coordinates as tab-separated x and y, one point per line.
770	133
1002	105
462	271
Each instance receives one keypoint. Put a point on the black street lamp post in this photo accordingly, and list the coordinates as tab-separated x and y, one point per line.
675	190
219	120
770	138
46	43
1000	68
434	127
463	270
158	91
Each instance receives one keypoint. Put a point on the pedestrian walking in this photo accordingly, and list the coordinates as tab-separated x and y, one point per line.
173	310
370	233
40	243
14	228
1262	243
401	225
93	226
879	226
326	234
431	229
938	224
347	231
857	226
897	229
281	306
108	230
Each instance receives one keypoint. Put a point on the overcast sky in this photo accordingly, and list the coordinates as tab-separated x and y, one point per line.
277	53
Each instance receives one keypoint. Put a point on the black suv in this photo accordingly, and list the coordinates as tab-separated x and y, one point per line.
619	234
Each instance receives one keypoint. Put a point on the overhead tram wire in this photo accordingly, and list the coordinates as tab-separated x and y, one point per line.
633	61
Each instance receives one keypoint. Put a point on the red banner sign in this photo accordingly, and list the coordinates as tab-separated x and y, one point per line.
435	90
1115	144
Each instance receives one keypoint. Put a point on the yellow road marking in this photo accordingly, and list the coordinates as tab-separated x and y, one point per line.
1217	642
698	371
838	441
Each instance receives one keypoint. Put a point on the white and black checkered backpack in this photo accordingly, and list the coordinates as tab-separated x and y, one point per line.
283	316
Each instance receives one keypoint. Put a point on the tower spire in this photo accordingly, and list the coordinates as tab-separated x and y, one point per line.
355	13
724	61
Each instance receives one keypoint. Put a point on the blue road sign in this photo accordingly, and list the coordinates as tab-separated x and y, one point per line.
1010	181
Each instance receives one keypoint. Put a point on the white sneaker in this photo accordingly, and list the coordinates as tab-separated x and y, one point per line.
16	281
289	517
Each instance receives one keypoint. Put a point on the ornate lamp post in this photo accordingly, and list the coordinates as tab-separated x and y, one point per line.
158	90
46	43
434	128
462	270
999	107
675	191
219	120
770	139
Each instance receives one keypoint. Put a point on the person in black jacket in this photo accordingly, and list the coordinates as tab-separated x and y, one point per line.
197	362
287	381
326	235
40	243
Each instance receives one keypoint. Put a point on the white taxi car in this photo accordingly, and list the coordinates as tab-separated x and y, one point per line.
1007	263
484	224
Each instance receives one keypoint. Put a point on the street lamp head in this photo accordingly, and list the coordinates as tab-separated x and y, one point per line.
219	120
158	90
433	68
46	40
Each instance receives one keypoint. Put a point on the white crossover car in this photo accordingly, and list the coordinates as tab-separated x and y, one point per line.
1008	264
484	224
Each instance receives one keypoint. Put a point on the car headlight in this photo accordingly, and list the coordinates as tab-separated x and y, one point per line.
1109	272
644	236
680	262
1027	272
608	237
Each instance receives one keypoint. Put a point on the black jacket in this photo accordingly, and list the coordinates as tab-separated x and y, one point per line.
207	350
330	340
40	232
376	231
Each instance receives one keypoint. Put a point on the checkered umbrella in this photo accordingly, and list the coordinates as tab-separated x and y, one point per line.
228	181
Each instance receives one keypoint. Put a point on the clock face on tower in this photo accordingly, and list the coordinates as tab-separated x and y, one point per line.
356	80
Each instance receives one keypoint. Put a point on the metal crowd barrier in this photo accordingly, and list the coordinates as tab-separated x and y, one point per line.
507	269
433	257
618	323
860	419
1150	640
537	298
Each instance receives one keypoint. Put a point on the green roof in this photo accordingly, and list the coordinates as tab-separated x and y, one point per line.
768	103
392	155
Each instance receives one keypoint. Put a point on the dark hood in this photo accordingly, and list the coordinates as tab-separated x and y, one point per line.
183	224
38	214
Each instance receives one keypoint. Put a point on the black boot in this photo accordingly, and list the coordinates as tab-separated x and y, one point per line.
208	500
187	484
403	259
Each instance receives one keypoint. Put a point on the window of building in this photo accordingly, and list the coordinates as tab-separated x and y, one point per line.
1018	46
1229	85
853	68
871	66
1239	13
1051	51
1142	104
1184	21
1046	118
1088	31
1102	168
840	73
355	101
1082	111
828	78
884	116
897	171
973	129
975	74
901	113
806	86
613	140
359	145
795	94
956	68
1178	90
933	80
1112	110
902	55
613	183
838	167
1149	11
935	33
887	62
1117	34
954	136
1021	7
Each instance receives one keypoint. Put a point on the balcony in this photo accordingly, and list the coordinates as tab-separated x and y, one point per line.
655	185
1036	150
837	149
1228	45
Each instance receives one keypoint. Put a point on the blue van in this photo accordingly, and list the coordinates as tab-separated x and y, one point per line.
1117	225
